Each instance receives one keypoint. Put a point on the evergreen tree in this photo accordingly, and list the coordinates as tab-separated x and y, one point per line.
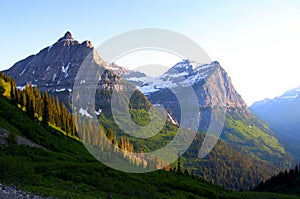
29	105
18	95
179	164
64	117
110	134
23	99
31	108
296	170
57	114
45	115
13	97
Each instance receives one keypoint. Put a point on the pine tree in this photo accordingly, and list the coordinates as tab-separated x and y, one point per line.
179	164
31	108
13	97
18	95
29	105
45	115
63	117
57	112
23	101
110	134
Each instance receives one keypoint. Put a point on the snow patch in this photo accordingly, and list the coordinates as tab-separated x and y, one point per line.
172	120
25	69
183	64
98	112
290	96
190	74
82	82
205	66
54	76
175	75
142	79
65	69
193	79
21	88
50	47
84	112
60	90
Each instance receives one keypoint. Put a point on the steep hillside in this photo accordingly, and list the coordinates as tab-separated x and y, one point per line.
284	182
213	88
64	169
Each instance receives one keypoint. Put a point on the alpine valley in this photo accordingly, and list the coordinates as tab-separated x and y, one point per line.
283	113
247	152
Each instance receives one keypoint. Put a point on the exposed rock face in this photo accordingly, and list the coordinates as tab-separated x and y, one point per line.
55	67
210	82
9	192
4	134
212	87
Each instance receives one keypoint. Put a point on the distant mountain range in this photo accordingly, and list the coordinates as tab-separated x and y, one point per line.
54	69
283	114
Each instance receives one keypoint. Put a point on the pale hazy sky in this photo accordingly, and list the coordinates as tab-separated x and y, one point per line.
257	42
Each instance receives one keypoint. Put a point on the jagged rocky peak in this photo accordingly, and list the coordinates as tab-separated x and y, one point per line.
54	68
187	65
87	43
211	84
67	36
67	40
183	66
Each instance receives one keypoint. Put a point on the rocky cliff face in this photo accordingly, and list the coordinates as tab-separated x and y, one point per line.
54	68
210	82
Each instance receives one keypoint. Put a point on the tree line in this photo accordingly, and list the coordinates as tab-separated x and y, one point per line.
283	180
42	107
51	113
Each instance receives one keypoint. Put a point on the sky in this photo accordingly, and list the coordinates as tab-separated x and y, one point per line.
256	42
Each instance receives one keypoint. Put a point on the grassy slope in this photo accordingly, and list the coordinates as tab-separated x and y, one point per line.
67	170
252	137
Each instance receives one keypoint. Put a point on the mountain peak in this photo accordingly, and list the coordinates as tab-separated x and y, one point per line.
66	37
183	66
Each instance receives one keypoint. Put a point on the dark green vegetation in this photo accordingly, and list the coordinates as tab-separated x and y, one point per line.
66	169
43	107
225	166
252	137
248	156
285	182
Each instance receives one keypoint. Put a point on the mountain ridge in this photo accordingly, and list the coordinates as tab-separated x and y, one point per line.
282	113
